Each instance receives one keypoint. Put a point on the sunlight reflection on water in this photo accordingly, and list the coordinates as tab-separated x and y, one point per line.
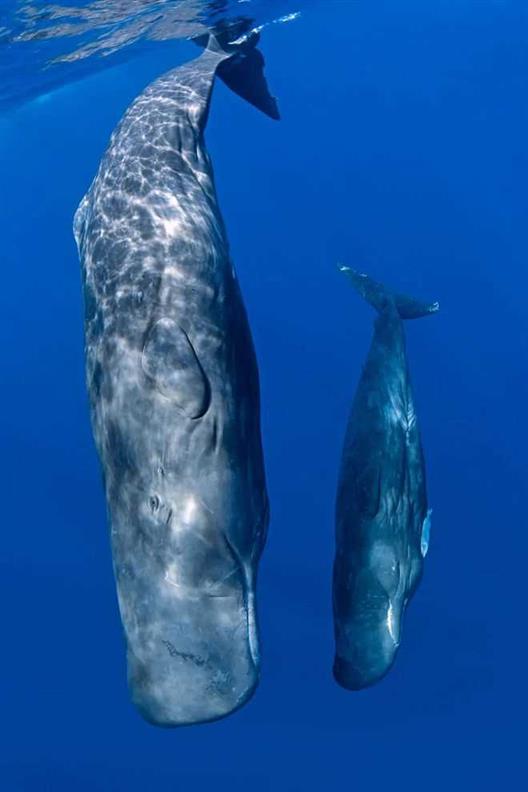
45	45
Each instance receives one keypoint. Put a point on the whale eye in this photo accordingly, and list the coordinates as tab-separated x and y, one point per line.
154	503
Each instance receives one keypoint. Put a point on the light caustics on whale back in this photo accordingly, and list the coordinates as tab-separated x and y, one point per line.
382	519
174	394
47	45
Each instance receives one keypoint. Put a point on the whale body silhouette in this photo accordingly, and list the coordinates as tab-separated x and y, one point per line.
174	393
382	518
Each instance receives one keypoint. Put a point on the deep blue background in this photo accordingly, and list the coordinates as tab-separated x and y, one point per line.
402	151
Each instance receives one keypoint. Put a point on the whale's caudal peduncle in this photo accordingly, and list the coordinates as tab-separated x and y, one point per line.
174	395
382	519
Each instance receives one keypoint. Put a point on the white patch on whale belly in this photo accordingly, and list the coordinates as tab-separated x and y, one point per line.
189	510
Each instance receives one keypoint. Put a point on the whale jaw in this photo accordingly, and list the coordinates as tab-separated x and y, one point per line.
190	677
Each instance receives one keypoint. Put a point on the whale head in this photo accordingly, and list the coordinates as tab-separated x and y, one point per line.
185	546
187	602
372	607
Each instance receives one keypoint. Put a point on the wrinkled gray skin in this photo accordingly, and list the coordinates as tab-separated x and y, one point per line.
174	393
382	520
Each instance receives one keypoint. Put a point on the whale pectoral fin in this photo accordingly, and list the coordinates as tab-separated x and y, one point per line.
170	362
426	533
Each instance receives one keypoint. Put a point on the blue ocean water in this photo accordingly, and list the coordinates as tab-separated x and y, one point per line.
401	151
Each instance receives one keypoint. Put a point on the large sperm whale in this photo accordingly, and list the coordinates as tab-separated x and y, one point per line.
174	395
382	519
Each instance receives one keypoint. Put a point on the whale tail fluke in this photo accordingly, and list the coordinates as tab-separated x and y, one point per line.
242	70
379	297
244	74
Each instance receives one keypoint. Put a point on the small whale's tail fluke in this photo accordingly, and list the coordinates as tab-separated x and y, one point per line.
380	298
242	70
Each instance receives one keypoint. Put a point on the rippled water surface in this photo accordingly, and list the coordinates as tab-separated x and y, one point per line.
43	45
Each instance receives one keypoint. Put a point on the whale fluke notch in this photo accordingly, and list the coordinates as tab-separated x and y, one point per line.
377	295
243	68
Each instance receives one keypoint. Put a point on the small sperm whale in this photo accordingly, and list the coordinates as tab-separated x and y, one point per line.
174	394
382	518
